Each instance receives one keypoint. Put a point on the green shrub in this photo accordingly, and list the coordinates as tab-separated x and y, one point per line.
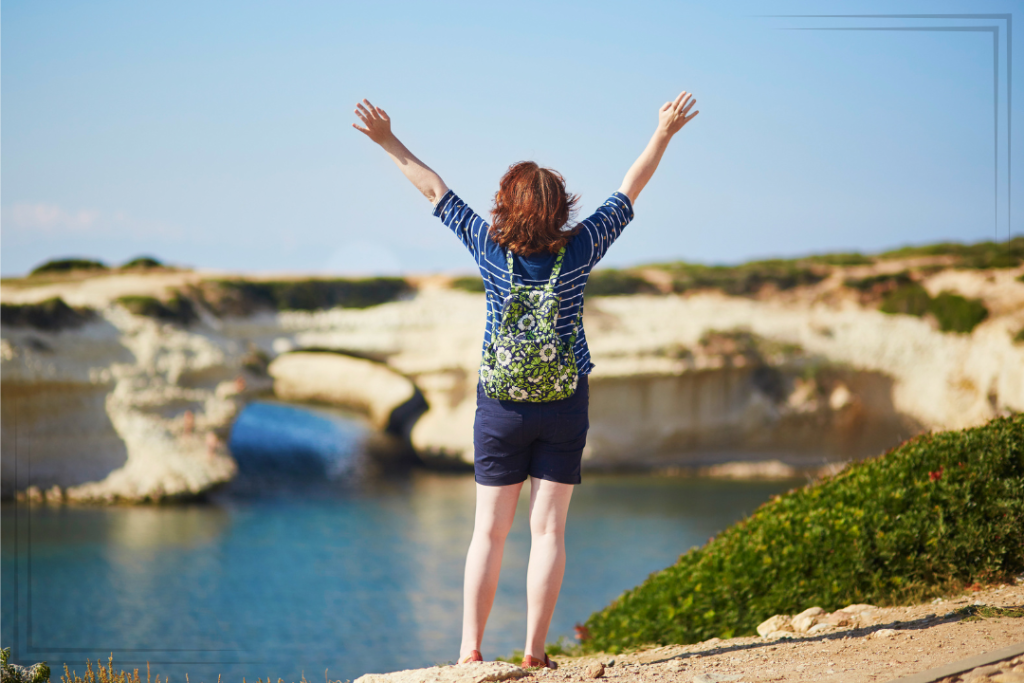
957	314
177	310
936	513
240	297
853	258
12	673
744	279
1019	337
50	315
908	299
885	281
143	262
609	282
1008	254
469	284
67	265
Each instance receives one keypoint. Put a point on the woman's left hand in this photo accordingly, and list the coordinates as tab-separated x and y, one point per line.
376	120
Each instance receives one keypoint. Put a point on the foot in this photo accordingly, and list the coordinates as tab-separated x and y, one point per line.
531	662
473	656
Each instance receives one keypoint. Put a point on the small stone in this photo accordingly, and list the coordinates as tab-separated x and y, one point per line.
779	622
819	628
595	670
806	619
884	633
780	634
716	678
610	662
839	618
857	609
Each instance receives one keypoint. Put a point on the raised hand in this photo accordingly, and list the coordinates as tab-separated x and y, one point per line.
673	115
376	120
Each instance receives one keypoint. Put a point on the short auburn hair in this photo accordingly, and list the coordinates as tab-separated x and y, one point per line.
531	208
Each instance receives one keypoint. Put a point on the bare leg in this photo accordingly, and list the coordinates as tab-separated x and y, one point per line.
549	504
495	510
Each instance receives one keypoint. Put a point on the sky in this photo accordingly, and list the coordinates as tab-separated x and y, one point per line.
218	135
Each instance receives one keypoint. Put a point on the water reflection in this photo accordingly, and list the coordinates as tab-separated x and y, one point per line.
361	574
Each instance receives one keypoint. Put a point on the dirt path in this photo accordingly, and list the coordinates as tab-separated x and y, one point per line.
899	642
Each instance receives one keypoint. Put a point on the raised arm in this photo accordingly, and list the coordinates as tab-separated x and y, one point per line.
378	128
671	118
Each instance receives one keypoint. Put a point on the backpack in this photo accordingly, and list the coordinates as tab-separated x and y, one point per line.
526	359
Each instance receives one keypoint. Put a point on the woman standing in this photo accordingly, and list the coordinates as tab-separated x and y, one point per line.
533	394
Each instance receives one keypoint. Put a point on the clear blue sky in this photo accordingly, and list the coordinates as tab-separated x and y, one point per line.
219	134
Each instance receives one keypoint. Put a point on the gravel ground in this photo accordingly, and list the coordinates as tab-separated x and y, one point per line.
898	642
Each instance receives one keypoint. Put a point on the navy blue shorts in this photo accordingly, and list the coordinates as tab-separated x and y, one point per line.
513	440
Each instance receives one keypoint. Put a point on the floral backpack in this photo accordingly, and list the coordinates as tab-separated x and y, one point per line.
526	359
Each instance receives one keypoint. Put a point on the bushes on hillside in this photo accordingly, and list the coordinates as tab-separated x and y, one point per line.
609	282
938	512
67	265
178	309
745	279
241	297
1008	254
51	315
953	312
469	284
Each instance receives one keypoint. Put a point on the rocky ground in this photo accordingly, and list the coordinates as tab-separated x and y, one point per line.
885	644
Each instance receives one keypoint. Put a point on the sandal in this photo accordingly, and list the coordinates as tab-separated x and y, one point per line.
473	656
530	662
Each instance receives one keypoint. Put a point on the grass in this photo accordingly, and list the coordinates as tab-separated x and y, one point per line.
884	282
178	309
953	312
473	284
51	315
745	279
941	511
142	262
979	612
102	674
241	297
1007	254
610	282
67	265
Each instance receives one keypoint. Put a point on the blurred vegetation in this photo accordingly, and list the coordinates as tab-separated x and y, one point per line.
610	282
142	262
11	673
941	511
956	313
1007	254
1019	337
745	279
953	312
885	281
178	309
910	299
67	265
473	284
51	315
852	258
241	297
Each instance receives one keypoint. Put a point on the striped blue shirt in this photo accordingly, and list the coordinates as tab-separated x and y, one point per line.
582	253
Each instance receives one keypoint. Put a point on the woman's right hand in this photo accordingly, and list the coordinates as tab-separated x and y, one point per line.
673	115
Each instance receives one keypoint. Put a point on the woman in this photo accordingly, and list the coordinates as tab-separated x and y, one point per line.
514	440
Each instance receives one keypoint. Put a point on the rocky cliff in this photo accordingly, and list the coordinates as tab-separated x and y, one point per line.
110	404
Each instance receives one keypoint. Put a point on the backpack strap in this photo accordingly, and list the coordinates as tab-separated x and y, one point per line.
555	270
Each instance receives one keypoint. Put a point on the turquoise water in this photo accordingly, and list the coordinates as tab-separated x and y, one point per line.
346	568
